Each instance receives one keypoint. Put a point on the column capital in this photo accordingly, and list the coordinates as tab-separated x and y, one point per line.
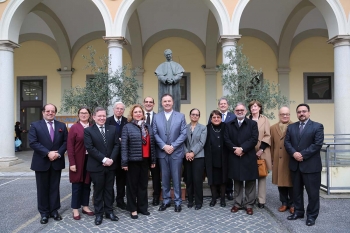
229	40
140	71
340	40
65	73
210	71
8	45
283	70
115	41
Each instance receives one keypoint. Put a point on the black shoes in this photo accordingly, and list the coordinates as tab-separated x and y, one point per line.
295	217
310	222
56	216
178	208
222	203
145	213
261	206
44	220
198	207
229	196
212	203
163	206
190	204
155	201
98	219
121	205
134	216
112	217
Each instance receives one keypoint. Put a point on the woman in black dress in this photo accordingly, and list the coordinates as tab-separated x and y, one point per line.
216	157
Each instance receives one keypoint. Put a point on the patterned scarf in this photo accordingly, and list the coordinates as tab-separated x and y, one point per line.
283	127
144	131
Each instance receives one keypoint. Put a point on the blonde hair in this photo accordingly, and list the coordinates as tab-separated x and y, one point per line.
132	110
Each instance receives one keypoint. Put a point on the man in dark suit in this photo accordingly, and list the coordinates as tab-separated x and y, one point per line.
103	147
48	139
170	132
118	120
227	117
148	103
303	143
241	136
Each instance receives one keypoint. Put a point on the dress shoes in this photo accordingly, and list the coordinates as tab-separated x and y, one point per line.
222	203
155	201
88	213
98	219
229	196
310	222
56	216
282	208
112	217
76	217
145	213
177	208
261	206
198	207
163	206
121	205
234	209
291	209
212	203
134	216
190	204
294	217
250	211
44	220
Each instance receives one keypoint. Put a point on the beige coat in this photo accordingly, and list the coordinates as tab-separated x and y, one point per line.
264	136
280	174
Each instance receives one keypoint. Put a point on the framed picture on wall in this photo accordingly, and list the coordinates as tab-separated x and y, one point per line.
319	87
185	86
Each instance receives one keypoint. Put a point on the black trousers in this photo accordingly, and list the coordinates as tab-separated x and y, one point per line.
229	186
136	188
120	182
286	195
103	191
312	183
48	191
194	180
80	195
155	172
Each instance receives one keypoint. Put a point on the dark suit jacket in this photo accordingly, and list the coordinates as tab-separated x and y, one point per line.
308	144
97	150
230	117
152	119
244	167
40	142
110	121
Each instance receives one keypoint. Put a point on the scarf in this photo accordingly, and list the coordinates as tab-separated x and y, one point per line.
144	131
283	126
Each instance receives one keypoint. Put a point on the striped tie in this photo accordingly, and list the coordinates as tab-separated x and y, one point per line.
103	134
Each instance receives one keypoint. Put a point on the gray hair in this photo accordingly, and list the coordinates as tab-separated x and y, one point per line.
116	103
98	109
223	98
241	103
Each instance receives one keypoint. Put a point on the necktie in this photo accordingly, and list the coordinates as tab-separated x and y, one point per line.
301	127
148	121
52	131
103	134
239	123
223	117
118	122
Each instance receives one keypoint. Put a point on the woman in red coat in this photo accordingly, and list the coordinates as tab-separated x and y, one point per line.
77	156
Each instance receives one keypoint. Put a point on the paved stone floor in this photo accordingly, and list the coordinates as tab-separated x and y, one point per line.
18	212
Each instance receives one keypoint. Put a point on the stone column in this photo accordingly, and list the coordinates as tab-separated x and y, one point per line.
283	81
341	83
210	90
66	83
227	43
115	54
7	155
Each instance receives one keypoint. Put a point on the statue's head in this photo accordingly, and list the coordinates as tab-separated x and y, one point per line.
168	54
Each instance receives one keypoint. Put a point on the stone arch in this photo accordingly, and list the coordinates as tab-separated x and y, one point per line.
127	7
237	15
307	34
39	37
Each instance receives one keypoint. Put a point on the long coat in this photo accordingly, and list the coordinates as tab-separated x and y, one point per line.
76	154
208	154
244	167
280	171
264	136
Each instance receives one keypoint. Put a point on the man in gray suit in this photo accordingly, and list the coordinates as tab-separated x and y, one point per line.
169	129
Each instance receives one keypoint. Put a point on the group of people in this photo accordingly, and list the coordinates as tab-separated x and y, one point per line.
226	150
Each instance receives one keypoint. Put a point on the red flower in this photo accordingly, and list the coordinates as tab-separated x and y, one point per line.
60	130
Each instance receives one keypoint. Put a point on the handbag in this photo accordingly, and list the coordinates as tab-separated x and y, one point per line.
262	168
18	142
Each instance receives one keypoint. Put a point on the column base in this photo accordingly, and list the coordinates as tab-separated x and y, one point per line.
9	161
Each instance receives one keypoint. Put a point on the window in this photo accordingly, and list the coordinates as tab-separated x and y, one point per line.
185	86
319	87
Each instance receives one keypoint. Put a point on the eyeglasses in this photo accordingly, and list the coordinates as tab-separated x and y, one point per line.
83	113
148	102
284	114
193	114
216	117
119	109
50	111
239	110
302	111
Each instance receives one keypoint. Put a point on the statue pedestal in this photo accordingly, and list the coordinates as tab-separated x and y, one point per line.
9	161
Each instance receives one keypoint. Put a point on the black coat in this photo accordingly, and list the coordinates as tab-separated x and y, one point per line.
208	154
132	144
244	167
